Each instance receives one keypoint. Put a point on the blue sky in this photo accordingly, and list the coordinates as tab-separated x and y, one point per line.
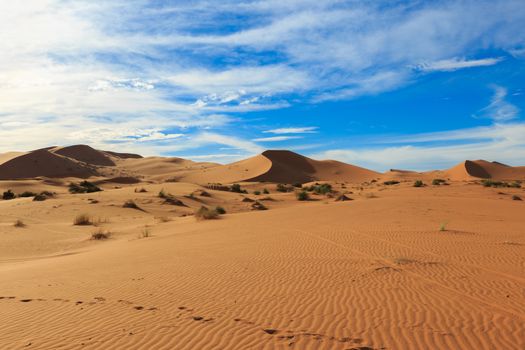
381	84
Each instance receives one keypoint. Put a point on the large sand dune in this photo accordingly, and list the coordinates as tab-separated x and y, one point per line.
283	167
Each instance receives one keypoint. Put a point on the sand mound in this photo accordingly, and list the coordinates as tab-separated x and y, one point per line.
281	166
43	163
4	157
84	153
470	170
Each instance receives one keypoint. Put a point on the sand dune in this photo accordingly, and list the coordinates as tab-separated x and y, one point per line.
43	163
282	167
470	170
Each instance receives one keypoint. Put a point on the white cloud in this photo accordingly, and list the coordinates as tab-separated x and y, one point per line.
504	143
293	130
499	109
277	138
456	63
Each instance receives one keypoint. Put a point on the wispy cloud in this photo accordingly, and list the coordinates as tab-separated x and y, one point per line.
499	109
456	63
293	130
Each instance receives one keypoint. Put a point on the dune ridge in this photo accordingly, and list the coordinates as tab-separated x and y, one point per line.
482	169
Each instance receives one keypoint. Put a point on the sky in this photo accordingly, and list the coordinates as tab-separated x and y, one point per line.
381	84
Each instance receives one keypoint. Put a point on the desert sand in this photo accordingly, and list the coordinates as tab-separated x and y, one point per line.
392	267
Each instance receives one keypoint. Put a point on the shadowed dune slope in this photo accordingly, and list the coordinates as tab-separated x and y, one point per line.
86	154
43	163
469	170
122	155
286	166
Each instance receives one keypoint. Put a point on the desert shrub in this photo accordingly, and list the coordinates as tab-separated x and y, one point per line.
515	184
298	185
131	204
302	196
19	223
220	210
100	235
437	182
8	195
419	183
82	220
145	232
265	191
256	193
163	194
40	197
205	213
258	206
236	188
443	227
284	188
26	194
83	187
319	188
142	190
391	182
516	198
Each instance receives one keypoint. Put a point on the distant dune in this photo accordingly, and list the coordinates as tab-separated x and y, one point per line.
281	166
469	170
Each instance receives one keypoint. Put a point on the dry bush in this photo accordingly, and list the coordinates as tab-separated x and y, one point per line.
205	213
131	204
19	223
82	220
100	235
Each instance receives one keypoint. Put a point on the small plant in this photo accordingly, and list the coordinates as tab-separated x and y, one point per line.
83	187
443	227
256	193
163	194
516	198
82	220
19	223
302	196
438	182
284	188
391	182
39	197
515	184
100	235
265	191
145	233
131	204
419	183
26	194
236	188
205	213
220	210
8	195
319	188
258	206
298	185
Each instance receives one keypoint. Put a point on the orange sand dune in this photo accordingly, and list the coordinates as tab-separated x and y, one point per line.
470	170
282	166
4	157
43	163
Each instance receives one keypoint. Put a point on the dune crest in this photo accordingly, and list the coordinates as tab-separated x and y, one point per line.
84	153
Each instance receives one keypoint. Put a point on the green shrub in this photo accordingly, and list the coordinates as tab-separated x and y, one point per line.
302	196
265	191
205	213
40	197
26	194
391	182
8	195
319	188
220	210
437	182
256	193
83	187
284	188
419	183
236	188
